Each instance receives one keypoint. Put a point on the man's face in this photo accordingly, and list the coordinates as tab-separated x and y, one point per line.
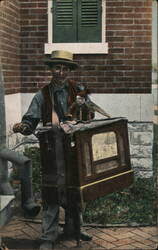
60	72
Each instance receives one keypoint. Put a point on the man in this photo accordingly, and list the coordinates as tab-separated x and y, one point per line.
51	105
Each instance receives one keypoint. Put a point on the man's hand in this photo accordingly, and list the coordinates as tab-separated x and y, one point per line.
22	128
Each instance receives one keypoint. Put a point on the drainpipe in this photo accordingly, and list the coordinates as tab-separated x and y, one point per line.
155	88
5	200
21	162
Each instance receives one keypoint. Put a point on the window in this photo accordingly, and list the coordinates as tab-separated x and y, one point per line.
77	21
79	24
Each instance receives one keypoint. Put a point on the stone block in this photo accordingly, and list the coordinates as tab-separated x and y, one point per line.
141	138
142	163
138	151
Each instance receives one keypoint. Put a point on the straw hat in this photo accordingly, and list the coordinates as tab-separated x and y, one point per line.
61	57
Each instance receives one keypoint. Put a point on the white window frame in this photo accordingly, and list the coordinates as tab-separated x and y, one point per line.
76	48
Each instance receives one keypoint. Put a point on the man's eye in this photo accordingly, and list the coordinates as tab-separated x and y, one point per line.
65	69
57	68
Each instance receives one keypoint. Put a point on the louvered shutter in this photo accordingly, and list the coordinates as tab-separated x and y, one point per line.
89	20
64	21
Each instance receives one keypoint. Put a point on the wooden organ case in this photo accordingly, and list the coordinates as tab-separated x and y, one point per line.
97	159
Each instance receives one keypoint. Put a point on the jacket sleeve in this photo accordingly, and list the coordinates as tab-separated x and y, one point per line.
33	114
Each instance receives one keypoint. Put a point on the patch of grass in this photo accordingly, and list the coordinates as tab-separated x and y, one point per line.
132	205
34	154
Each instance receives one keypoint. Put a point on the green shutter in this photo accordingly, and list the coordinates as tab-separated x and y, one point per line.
76	21
89	20
64	21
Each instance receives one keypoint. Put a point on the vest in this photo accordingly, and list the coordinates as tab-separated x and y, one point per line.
47	105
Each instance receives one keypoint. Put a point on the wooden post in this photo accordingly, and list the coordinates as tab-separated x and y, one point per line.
155	89
3	164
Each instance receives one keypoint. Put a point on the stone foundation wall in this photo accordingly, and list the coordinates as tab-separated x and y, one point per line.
141	146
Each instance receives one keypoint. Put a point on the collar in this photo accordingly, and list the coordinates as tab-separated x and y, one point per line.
55	86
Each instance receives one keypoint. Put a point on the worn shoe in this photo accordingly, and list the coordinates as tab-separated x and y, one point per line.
85	236
31	209
46	245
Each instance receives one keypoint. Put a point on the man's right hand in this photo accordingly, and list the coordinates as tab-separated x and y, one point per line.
22	128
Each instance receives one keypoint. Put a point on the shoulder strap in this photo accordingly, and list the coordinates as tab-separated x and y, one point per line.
47	105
